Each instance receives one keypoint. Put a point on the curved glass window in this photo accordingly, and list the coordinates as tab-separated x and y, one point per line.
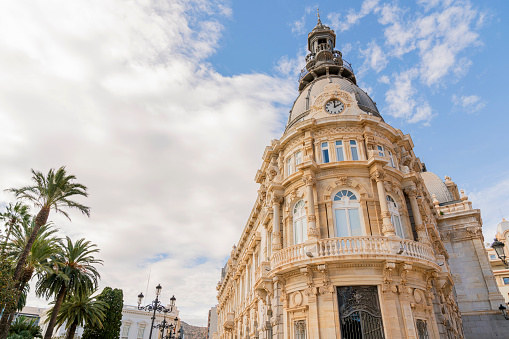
299	223
347	219
395	218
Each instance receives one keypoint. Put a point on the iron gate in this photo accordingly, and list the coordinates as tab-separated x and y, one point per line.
359	313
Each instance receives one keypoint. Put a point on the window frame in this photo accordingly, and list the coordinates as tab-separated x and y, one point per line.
347	205
302	218
395	215
325	151
354	145
305	327
381	150
337	147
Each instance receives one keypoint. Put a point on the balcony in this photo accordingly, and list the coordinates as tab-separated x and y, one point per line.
373	248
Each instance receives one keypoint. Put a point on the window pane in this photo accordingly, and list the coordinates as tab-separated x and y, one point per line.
341	224
353	149
381	151
355	224
506	281
298	158
300	329
339	151
397	226
391	160
289	166
325	156
493	257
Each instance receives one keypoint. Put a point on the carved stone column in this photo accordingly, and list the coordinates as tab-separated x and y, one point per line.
313	231
422	234
277	235
387	226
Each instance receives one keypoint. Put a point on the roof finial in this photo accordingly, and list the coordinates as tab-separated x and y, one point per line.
318	15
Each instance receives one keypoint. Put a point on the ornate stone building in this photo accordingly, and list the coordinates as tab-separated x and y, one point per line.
349	236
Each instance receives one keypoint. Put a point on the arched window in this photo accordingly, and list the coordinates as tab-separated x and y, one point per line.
395	218
347	220
299	223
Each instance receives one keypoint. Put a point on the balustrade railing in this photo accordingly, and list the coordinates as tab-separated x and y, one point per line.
364	246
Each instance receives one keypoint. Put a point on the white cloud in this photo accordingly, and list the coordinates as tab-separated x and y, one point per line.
492	200
402	101
344	23
121	94
299	26
374	57
469	103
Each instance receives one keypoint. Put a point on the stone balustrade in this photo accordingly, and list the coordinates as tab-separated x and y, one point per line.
352	248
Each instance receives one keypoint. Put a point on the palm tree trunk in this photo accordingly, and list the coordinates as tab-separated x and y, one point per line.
72	330
9	315
56	308
4	328
40	219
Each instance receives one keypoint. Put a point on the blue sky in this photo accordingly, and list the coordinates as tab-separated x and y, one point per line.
163	109
464	134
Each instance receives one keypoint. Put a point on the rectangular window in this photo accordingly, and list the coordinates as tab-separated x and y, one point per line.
381	151
289	166
300	329
391	159
141	332
298	158
341	223
125	331
422	329
506	280
353	149
396	221
340	155
325	153
493	257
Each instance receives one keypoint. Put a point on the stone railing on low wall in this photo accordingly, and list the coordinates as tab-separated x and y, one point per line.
345	248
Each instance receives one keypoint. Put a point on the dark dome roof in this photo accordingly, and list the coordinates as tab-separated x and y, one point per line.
306	97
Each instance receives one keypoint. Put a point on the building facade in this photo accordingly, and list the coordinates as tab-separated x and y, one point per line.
500	270
350	236
136	323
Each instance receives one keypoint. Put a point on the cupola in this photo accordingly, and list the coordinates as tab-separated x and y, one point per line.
323	59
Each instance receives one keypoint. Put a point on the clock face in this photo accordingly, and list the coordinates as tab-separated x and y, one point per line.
334	106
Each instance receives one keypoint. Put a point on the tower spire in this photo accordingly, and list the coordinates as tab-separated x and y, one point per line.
318	16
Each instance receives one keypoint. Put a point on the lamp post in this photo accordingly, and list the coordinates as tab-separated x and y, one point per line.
498	246
156	306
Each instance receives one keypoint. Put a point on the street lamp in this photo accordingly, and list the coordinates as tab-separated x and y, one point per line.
156	306
498	246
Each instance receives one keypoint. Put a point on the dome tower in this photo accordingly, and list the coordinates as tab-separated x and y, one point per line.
323	59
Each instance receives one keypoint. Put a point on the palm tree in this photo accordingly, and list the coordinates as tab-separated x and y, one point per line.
50	191
79	310
14	215
25	328
45	245
73	273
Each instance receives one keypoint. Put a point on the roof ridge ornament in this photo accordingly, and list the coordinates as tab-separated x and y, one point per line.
318	15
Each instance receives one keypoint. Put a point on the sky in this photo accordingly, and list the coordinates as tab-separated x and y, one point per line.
163	109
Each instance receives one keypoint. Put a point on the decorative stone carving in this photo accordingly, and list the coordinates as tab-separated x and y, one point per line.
404	273
378	175
389	266
309	179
